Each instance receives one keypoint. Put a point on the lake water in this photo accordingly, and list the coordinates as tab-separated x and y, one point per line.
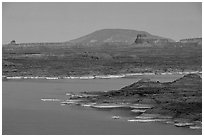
25	113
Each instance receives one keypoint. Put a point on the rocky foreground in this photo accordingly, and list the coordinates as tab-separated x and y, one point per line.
178	102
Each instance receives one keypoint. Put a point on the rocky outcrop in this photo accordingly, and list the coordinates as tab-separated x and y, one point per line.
13	42
152	101
181	98
142	38
191	40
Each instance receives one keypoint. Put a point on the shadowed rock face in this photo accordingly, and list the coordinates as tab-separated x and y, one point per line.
139	38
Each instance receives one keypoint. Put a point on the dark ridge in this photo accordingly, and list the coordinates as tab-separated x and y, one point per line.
188	80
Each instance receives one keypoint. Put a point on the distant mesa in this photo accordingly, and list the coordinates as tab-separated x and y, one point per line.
126	36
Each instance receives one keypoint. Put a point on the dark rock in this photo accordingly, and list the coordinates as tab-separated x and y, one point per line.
13	42
139	38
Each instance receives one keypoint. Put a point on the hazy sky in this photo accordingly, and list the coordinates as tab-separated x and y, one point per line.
53	22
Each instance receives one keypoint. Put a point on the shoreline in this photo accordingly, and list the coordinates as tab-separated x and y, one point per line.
98	76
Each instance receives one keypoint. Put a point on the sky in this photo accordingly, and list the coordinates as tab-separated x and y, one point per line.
59	22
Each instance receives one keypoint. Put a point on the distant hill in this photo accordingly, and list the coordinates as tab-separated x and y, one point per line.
116	36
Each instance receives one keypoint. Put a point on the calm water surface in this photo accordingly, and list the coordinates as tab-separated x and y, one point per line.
25	113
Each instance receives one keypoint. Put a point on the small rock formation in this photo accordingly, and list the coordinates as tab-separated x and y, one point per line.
13	42
142	38
139	38
191	40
